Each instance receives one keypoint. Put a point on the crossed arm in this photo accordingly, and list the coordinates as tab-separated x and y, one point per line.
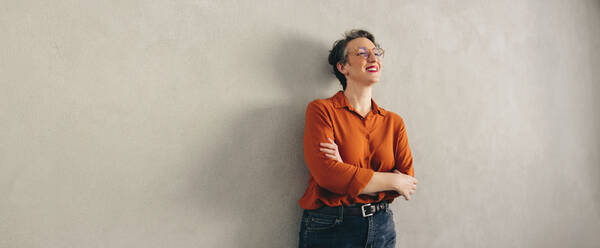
381	181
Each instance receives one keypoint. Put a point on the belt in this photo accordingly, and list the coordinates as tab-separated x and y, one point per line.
364	210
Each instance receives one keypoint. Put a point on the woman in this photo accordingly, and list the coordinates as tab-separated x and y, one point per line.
357	154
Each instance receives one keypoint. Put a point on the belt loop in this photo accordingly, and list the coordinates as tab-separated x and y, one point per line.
341	213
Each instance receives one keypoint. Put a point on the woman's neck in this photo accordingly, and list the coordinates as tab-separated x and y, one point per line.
359	98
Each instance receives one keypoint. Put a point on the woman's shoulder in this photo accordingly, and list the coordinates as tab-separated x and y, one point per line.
393	115
321	103
394	118
318	107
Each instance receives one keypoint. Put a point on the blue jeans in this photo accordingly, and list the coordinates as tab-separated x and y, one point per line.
327	230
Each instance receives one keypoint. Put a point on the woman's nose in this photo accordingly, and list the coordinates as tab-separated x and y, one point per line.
372	57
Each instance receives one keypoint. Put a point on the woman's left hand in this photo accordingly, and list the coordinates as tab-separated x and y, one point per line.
331	150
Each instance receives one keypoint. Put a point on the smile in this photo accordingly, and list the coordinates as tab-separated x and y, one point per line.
372	69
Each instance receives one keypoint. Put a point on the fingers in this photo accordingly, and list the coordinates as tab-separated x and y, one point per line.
330	150
413	181
331	156
407	196
329	145
327	150
334	158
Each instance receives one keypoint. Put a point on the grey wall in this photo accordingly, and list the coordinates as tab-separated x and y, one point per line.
179	123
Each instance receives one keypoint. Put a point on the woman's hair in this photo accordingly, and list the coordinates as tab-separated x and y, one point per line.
338	53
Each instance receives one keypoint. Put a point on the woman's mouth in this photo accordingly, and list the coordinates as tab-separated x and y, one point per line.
372	69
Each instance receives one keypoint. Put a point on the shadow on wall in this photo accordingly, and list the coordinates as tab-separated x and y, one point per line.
249	193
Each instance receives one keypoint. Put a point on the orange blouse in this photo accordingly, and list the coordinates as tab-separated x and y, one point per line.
377	142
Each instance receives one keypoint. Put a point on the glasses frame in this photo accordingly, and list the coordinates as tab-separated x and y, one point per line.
356	52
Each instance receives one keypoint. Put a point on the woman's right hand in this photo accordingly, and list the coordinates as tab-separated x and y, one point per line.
405	185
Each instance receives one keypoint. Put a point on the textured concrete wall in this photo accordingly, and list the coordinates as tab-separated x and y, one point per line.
179	123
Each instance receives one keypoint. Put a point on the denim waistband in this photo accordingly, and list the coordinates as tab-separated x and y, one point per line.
358	209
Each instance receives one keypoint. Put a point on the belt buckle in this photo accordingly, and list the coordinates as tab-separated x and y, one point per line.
362	208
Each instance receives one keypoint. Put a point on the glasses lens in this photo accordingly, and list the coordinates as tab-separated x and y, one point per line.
363	52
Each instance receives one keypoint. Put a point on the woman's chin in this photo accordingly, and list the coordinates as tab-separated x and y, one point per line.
372	81
368	81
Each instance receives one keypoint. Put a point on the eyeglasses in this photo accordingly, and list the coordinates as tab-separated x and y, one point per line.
365	52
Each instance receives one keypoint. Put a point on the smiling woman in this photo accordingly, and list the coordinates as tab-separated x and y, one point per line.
357	154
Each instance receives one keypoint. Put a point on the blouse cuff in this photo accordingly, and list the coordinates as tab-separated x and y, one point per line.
360	181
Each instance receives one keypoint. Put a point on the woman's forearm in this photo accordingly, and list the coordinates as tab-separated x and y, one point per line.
381	181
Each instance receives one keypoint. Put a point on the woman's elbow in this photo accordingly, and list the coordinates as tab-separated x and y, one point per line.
331	185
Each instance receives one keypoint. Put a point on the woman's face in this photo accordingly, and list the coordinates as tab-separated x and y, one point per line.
359	69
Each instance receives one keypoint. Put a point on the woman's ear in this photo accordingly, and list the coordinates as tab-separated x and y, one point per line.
341	68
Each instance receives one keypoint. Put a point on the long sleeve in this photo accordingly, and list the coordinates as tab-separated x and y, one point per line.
403	156
330	174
